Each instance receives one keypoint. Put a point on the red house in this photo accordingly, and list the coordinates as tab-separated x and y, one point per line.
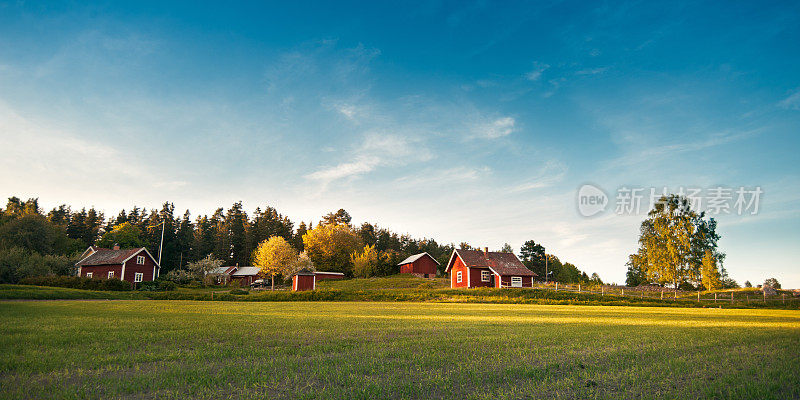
132	265
246	275
475	268
304	280
422	265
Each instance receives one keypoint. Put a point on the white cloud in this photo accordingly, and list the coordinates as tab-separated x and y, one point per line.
495	129
537	71
551	173
792	102
376	150
592	71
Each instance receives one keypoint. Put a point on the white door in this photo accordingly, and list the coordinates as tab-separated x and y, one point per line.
516	281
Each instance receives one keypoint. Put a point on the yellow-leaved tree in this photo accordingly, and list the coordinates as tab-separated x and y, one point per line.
365	262
329	247
274	256
709	272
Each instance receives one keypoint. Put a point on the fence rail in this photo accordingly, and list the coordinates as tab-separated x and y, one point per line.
672	295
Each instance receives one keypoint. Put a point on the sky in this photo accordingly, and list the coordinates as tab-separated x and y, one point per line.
460	121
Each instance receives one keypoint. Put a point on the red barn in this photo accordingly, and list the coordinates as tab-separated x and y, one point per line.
304	280
324	275
132	265
475	268
422	265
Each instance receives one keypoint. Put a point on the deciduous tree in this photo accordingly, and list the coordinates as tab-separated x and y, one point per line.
274	256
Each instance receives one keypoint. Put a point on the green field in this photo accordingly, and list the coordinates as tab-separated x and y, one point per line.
343	350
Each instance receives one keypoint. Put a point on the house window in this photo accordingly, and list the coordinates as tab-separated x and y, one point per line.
110	274
485	276
458	277
88	274
140	260
137	277
516	281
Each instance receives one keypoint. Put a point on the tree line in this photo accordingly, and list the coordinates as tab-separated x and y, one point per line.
49	242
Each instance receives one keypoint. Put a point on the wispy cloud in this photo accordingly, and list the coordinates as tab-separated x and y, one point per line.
494	129
550	173
377	150
792	102
592	71
536	73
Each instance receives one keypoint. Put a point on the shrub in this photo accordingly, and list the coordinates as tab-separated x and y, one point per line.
77	282
157	286
239	292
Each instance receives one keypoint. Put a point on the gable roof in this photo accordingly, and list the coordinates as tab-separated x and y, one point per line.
103	256
223	270
416	257
502	264
246	271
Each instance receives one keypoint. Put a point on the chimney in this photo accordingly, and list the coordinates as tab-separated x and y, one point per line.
116	246
486	251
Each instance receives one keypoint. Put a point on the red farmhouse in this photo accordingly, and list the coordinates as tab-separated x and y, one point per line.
304	280
132	265
422	265
475	268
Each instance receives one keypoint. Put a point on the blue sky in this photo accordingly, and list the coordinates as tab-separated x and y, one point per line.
460	121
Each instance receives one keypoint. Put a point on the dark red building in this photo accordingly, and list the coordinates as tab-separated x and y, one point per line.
132	265
304	280
422	265
476	268
324	275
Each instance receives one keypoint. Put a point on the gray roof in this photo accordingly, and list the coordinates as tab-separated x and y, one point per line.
247	271
416	257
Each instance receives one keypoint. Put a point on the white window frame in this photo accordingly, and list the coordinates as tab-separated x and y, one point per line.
88	274
110	274
515	279
138	276
486	276
459	277
140	260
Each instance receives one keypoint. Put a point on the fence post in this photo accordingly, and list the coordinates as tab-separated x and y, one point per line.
662	294
623	292
602	291
676	294
731	296
556	286
715	297
579	288
748	298
698	295
765	295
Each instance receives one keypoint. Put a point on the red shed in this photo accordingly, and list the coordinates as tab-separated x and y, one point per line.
324	275
422	265
475	268
132	265
304	280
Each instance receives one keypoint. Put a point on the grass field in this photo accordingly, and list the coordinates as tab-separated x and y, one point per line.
343	350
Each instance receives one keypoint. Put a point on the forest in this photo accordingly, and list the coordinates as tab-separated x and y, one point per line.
34	242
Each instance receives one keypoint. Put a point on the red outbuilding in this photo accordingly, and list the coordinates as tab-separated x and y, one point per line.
476	268
304	280
422	265
324	275
246	275
132	265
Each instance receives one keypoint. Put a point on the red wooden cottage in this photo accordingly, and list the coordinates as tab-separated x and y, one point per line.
304	280
422	265
132	265
246	275
476	268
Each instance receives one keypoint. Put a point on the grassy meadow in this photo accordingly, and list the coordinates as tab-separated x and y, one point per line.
345	350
